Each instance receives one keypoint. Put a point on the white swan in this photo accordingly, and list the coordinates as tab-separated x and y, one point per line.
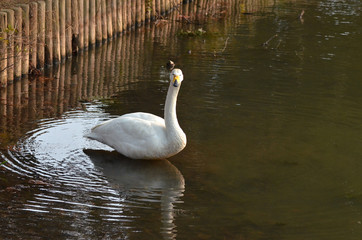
143	135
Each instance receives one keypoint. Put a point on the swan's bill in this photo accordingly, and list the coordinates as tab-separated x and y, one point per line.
176	80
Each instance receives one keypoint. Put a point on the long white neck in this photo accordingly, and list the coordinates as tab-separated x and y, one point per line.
172	126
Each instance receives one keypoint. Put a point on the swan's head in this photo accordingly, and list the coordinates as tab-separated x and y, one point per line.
176	77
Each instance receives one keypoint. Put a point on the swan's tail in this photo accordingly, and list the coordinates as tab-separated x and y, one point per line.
91	135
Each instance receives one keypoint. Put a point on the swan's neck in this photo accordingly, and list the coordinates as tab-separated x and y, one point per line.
172	126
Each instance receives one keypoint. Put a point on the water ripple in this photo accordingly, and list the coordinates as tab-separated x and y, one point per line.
91	184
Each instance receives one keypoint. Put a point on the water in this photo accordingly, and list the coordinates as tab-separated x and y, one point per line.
273	131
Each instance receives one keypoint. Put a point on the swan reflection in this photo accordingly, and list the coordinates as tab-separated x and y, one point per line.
144	180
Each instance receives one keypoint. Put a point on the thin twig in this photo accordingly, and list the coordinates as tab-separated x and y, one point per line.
278	44
267	42
226	43
301	15
178	10
11	56
9	66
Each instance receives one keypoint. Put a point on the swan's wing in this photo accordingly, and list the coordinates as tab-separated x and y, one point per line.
126	127
129	134
137	115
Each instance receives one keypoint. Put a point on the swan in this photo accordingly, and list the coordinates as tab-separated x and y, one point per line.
142	135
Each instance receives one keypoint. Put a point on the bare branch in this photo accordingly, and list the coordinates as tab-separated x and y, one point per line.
271	38
226	43
301	17
178	10
9	66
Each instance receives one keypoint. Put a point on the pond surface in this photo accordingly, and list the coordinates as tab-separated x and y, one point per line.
274	132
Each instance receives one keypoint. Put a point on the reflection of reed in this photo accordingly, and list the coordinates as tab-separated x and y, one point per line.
253	6
44	32
98	73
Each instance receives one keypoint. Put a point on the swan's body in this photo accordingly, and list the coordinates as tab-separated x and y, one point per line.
143	135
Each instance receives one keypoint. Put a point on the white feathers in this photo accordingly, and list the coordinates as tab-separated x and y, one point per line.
143	135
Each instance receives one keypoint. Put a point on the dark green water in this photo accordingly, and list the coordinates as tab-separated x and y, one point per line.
274	133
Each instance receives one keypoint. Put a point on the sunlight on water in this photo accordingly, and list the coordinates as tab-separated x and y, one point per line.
76	182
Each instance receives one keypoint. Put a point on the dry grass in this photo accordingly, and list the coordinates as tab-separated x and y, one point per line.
10	3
